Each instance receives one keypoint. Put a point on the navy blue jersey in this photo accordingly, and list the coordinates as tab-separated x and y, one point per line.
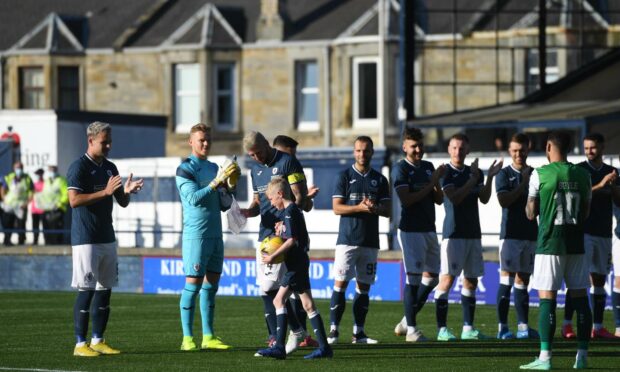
462	221
599	222
515	224
420	216
294	226
91	224
617	215
281	166
360	229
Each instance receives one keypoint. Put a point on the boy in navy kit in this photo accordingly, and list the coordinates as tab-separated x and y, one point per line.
296	279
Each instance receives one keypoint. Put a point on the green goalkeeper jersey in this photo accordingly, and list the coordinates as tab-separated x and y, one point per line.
561	188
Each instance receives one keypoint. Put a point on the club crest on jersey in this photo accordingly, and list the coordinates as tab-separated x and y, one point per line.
274	171
428	172
197	267
374	183
109	172
411	173
89	277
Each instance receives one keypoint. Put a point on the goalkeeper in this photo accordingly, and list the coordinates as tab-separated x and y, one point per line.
203	188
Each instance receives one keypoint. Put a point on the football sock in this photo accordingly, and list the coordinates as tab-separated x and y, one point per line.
598	297
427	286
319	329
522	303
503	303
568	309
270	312
187	306
337	306
301	314
360	308
281	326
207	307
81	312
468	303
101	311
615	301
441	308
410	297
292	317
584	321
546	323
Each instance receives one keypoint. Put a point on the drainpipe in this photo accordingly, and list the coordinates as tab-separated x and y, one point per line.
1	82
327	115
382	68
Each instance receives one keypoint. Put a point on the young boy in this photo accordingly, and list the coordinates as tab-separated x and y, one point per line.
295	247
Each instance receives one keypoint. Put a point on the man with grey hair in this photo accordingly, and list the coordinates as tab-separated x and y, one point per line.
92	181
271	163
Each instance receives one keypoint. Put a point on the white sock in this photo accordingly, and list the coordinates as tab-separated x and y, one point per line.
544	355
523	327
95	341
357	329
333	327
441	329
80	344
467	328
597	326
410	330
501	327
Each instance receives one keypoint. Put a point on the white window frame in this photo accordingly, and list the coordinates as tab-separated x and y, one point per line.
217	67
306	126
552	72
357	121
185	127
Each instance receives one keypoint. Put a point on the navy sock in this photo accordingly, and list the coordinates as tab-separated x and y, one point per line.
503	303
270	313
281	329
301	314
469	309
81	312
319	330
615	301
598	307
292	317
584	321
522	305
423	293
568	308
441	310
360	308
410	297
337	306
101	312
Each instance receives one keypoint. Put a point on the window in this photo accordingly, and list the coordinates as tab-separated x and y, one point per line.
187	96
224	96
533	73
69	88
306	96
31	88
365	97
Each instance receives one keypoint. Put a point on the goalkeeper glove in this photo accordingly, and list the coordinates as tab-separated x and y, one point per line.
223	174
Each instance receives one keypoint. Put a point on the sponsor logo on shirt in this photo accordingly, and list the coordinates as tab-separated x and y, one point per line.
274	171
352	182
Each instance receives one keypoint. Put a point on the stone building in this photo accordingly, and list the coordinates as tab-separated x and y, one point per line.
321	71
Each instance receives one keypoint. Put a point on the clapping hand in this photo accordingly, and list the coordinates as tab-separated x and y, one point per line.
131	186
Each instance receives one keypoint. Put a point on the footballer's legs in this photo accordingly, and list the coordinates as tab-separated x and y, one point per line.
81	312
468	304
506	281
278	350
410	300
207	312
522	306
429	282
598	300
615	301
101	314
584	321
546	322
441	307
316	321
270	312
360	310
187	305
336	309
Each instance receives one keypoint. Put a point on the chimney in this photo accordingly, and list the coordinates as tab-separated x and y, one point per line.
270	25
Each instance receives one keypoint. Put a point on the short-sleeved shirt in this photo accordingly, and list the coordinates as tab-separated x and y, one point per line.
599	222
561	187
360	229
515	224
201	204
91	224
294	226
281	166
420	216
462	221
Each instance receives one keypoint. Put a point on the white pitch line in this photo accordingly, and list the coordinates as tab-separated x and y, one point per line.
34	369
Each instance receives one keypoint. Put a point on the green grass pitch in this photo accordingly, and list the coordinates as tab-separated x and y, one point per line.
36	332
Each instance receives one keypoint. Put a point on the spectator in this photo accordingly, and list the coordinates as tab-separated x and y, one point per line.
54	200
35	211
10	135
16	194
